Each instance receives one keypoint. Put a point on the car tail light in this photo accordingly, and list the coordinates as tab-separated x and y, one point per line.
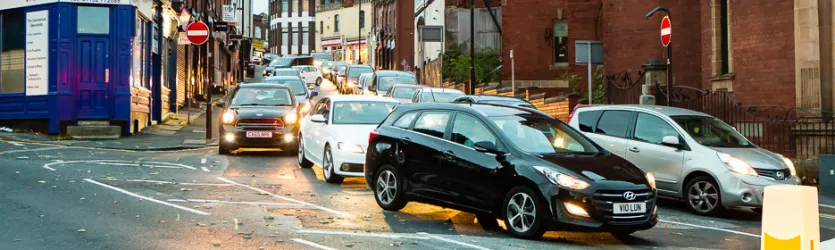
579	106
372	135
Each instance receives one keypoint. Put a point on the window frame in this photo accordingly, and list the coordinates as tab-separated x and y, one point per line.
23	13
362	19
628	131
554	57
109	18
336	23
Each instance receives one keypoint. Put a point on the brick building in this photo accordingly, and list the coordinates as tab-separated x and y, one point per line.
394	33
768	53
261	27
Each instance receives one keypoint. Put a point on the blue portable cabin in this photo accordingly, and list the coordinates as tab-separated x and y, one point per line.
65	61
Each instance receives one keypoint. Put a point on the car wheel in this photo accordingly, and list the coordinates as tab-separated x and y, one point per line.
318	81
303	162
327	167
523	213
703	196
388	189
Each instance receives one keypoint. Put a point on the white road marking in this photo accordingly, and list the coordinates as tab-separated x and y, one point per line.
375	235
32	150
151	164
171	164
826	206
146	198
204	169
269	204
453	241
311	244
340	213
828	216
182	183
17	144
711	228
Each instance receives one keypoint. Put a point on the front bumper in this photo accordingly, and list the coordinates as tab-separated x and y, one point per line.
348	163
282	138
747	191
599	205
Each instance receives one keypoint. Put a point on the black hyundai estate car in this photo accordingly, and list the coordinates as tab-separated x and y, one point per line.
258	115
515	164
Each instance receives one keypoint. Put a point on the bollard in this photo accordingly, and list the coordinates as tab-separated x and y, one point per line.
790	218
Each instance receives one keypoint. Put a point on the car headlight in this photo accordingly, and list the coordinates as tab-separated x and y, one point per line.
736	165
561	179
651	179
789	164
228	117
291	117
353	148
304	108
352	83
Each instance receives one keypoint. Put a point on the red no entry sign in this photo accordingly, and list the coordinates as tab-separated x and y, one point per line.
198	33
666	31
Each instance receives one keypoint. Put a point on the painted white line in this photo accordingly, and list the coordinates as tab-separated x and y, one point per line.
374	235
146	198
204	169
711	228
182	183
826	206
171	164
153	164
32	150
311	244
340	213
269	204
17	144
453	241
203	161
827	216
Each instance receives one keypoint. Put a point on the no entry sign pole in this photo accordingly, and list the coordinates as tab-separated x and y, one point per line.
198	34
666	35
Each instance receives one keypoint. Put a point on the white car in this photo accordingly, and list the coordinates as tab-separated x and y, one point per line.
334	135
363	82
310	74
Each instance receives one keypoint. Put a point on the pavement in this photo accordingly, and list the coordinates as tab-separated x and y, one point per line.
72	197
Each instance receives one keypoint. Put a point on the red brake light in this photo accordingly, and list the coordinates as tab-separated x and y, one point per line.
372	135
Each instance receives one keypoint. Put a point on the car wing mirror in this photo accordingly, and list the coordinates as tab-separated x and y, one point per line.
314	93
487	147
220	104
671	141
318	118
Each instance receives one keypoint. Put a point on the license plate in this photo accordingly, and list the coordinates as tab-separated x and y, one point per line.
259	134
630	208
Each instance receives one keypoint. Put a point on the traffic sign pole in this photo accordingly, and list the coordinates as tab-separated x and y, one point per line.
669	49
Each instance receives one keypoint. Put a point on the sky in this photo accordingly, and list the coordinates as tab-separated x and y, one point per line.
259	6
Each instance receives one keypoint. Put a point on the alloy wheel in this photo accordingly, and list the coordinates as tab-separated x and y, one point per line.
521	212
328	164
301	150
703	196
386	187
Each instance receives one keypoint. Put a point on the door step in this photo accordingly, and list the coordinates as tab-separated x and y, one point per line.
94	130
93	123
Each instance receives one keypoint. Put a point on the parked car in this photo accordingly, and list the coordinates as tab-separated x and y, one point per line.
527	168
309	74
436	95
340	73
495	99
301	92
349	83
695	157
320	57
326	68
287	62
335	134
259	115
286	72
404	92
383	80
363	82
334	69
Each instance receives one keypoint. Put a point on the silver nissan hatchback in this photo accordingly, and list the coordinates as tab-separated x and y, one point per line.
695	157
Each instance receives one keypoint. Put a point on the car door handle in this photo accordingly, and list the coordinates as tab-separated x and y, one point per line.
449	154
406	140
635	149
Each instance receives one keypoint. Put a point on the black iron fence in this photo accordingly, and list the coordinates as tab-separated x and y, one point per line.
624	87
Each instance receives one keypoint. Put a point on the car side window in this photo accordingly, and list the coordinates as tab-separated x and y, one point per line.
432	123
612	123
405	120
588	119
325	109
467	131
651	129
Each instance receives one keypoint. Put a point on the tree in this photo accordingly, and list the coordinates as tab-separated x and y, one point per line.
456	65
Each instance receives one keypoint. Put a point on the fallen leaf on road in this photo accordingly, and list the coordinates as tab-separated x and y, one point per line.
413	243
82	230
22	157
216	244
17	172
324	222
42	181
679	234
137	216
269	217
178	217
89	171
665	225
185	189
161	221
154	173
82	198
16	240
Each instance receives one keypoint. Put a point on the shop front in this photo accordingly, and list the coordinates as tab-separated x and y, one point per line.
65	61
354	49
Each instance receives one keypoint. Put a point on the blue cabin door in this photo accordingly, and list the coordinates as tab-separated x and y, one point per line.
94	63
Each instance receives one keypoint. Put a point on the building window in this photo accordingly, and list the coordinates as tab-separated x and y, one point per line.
724	42
322	27
336	23
362	19
285	6
305	37
257	32
305	6
295	35
12	78
560	41
96	20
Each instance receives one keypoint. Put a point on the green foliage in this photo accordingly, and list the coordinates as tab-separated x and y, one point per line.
63	137
579	88
456	65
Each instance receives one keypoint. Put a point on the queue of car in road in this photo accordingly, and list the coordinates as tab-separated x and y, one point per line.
500	157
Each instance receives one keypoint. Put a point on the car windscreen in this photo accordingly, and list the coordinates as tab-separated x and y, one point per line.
357	71
386	82
296	85
281	62
712	132
404	92
445	96
292	72
361	112
543	136
264	96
